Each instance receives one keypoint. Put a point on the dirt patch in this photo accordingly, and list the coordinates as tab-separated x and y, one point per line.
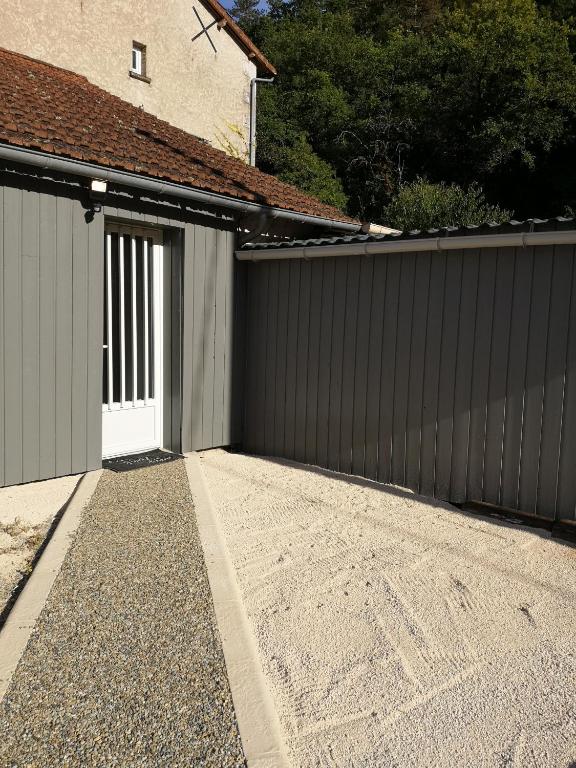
26	514
394	630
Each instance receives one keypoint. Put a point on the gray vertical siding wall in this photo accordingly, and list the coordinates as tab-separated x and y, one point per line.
210	382
453	374
51	315
50	337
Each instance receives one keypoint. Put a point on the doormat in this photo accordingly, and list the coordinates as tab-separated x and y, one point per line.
140	460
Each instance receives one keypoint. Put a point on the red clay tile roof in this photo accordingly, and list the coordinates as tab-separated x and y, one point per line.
240	36
53	110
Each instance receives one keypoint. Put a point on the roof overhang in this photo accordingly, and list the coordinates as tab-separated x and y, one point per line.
240	37
154	186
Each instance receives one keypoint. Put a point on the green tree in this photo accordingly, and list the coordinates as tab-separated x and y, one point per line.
303	168
422	205
246	13
498	88
325	75
561	10
283	148
462	91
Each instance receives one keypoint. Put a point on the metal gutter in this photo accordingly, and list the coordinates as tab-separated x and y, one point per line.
158	187
447	243
252	139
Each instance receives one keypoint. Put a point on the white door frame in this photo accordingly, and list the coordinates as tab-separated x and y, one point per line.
134	425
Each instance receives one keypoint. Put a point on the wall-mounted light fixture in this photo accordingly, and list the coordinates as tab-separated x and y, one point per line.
98	189
96	195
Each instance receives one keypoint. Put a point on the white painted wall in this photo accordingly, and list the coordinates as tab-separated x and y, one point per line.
204	93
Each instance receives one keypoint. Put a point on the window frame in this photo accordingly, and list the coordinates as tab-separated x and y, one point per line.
138	62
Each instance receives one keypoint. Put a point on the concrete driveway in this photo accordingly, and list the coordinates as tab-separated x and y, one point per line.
397	631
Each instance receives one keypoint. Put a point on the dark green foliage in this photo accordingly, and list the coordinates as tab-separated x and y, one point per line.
560	10
246	13
372	94
421	205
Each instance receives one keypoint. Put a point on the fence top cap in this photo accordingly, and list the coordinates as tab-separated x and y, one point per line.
488	228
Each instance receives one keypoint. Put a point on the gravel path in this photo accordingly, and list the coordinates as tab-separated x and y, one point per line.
395	631
125	666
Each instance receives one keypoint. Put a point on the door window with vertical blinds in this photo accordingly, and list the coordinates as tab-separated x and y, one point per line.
128	374
131	354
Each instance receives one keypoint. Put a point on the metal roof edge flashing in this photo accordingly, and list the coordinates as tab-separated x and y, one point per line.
446	242
72	167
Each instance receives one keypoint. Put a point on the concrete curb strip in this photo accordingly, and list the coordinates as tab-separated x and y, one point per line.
22	619
255	712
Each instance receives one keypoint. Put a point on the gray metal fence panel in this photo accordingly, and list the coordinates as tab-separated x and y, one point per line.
453	374
270	382
483	334
391	294
430	395
498	373
324	359
566	492
374	369
557	340
280	359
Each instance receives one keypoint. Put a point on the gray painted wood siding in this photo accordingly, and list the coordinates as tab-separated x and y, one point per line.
51	316
211	387
453	374
50	335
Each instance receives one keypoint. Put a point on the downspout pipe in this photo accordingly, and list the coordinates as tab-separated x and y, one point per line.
462	242
253	93
152	186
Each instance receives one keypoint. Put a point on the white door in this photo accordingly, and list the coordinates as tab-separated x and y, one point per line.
132	371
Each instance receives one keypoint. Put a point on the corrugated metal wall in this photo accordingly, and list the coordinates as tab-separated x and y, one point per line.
50	336
453	374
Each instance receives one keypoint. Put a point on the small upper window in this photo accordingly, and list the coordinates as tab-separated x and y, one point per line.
138	67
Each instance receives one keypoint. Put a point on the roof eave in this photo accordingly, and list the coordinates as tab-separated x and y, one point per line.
251	50
157	186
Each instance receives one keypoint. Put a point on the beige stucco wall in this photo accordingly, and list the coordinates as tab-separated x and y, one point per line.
203	92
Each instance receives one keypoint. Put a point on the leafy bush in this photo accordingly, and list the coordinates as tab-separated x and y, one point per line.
422	205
